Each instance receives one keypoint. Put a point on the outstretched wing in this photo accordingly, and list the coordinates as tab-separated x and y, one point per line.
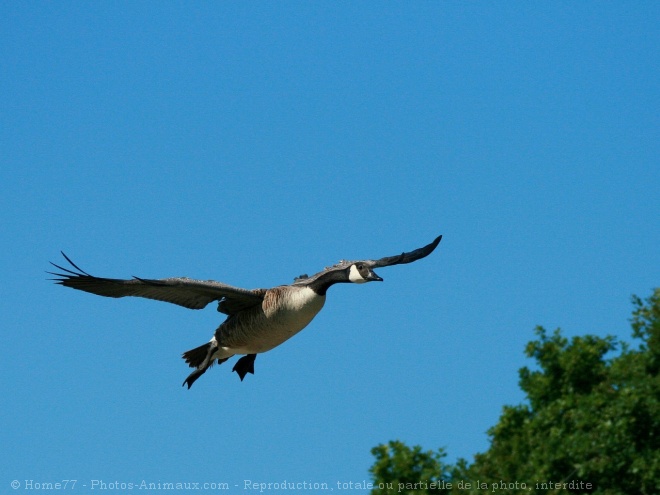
402	258
399	259
186	292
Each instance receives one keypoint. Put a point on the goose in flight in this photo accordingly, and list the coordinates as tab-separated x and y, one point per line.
257	320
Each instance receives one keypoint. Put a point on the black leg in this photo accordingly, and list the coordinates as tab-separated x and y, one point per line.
201	369
193	376
245	365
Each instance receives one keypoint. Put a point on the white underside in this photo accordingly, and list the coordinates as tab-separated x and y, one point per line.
268	327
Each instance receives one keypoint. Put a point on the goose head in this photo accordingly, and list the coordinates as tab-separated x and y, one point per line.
359	273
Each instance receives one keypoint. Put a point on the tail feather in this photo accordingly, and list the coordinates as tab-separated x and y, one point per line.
195	357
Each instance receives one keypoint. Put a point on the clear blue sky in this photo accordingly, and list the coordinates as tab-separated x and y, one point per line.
249	142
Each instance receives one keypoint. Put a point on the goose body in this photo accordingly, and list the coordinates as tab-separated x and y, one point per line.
258	320
285	311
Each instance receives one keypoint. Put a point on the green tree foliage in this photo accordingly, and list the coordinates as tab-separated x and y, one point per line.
400	469
591	423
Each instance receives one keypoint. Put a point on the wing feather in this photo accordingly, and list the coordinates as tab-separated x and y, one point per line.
408	257
398	259
183	291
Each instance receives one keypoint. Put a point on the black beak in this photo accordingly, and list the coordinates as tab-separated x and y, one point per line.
372	277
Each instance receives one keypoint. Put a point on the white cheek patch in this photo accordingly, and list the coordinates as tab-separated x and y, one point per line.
355	277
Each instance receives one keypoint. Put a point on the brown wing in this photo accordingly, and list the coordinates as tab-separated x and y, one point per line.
186	292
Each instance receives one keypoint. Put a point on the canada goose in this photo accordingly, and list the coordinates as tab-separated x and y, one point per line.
257	320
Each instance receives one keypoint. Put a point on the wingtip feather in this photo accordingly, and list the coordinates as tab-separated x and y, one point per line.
80	270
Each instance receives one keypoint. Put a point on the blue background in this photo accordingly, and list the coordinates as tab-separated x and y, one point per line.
249	142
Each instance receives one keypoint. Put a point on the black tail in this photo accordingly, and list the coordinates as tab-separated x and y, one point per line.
200	358
195	357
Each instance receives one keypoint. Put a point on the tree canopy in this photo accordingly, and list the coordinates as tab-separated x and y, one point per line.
590	424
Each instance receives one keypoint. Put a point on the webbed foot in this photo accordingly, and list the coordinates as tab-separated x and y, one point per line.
245	365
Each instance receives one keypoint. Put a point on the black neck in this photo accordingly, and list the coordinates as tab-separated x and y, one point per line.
321	284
